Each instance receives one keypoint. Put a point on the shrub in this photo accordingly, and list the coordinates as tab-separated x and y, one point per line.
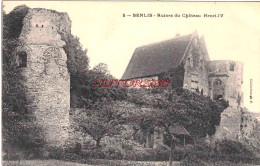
73	157
113	153
178	154
234	151
16	153
50	152
162	153
137	154
229	151
228	147
192	160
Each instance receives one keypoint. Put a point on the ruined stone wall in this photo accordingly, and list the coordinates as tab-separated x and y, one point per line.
225	81
250	128
195	76
47	77
230	75
239	124
229	127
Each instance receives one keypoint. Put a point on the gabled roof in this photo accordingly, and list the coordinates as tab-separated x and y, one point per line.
157	58
204	49
178	130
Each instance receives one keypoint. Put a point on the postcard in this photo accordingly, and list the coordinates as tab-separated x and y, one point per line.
130	83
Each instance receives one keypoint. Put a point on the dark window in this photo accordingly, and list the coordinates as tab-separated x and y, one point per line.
232	67
42	26
219	97
36	25
22	59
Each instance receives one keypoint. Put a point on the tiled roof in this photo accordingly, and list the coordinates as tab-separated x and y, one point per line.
157	58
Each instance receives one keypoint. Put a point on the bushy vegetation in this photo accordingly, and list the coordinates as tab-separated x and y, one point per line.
21	137
226	151
234	153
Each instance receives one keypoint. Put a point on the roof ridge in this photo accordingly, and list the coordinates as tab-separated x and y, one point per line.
164	41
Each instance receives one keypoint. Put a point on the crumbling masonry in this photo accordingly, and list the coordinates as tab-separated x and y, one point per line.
43	62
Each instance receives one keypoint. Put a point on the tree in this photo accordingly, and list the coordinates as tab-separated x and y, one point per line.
78	66
198	114
100	121
170	107
102	70
77	59
85	94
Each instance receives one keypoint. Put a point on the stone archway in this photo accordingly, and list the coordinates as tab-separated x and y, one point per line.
218	89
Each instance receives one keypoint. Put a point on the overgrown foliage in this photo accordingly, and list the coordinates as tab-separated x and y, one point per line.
19	130
13	22
99	121
81	77
198	114
226	151
176	77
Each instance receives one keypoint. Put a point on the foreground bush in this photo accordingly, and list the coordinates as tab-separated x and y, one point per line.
225	152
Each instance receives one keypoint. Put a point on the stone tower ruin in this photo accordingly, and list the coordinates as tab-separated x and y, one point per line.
43	62
225	81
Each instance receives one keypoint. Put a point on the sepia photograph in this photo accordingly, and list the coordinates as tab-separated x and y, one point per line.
112	83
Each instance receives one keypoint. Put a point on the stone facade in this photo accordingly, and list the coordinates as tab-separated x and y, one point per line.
42	60
229	127
219	79
195	75
250	128
225	81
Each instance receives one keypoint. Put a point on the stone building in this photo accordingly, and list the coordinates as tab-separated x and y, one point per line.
217	79
220	79
42	60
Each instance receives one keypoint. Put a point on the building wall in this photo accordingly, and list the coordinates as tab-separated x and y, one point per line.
230	73
240	125
46	74
229	127
250	128
195	76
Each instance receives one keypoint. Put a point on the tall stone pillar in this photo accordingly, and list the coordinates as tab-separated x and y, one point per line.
43	62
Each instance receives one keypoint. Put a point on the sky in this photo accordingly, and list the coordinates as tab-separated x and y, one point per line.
111	38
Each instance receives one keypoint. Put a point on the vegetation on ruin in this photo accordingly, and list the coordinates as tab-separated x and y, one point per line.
19	131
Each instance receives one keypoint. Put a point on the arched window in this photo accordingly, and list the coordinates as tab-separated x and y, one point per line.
22	59
218	90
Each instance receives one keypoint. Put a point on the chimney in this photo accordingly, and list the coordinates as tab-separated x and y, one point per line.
177	35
